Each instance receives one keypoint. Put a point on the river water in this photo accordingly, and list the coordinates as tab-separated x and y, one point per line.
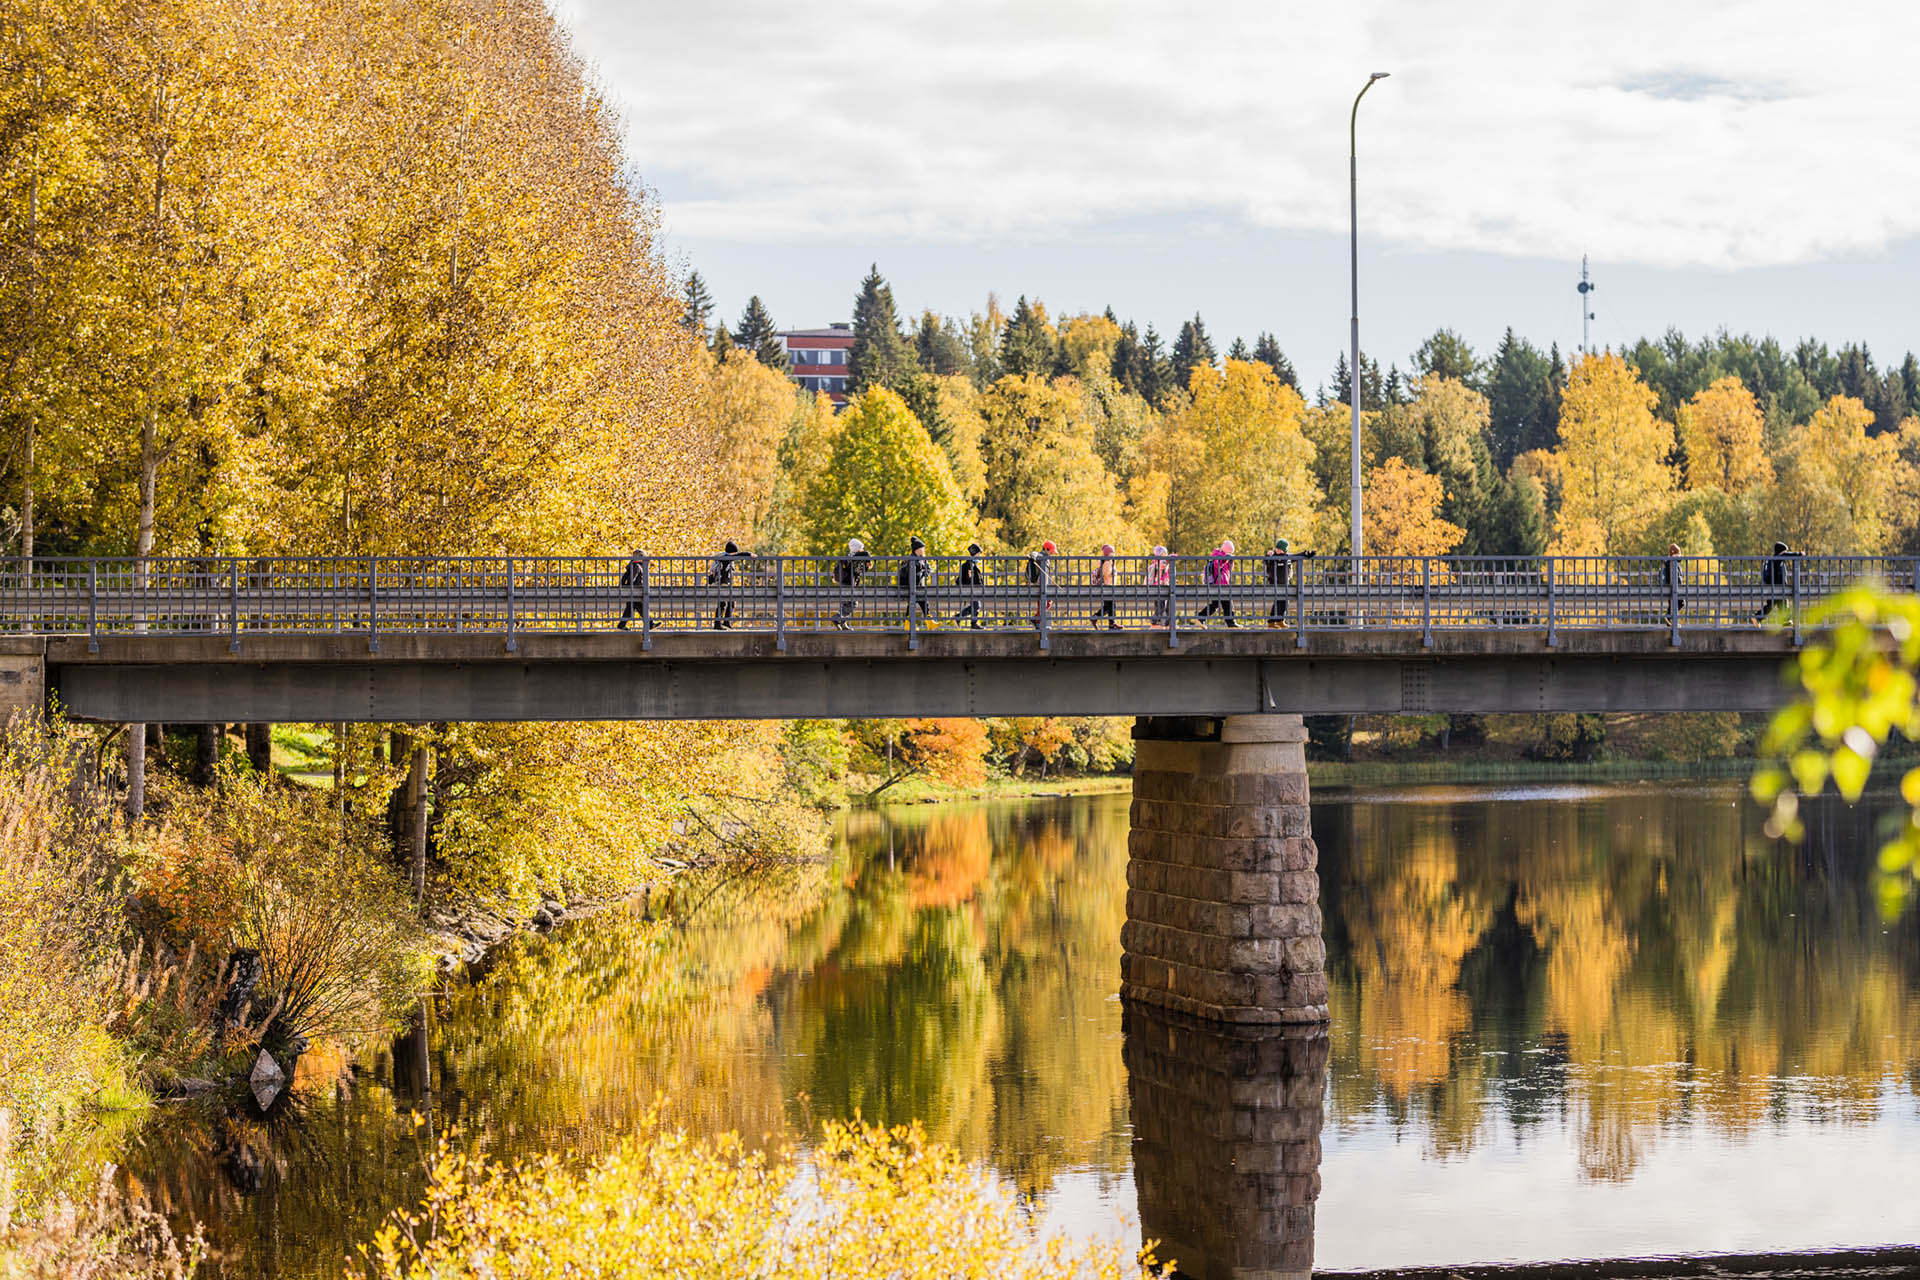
1567	1023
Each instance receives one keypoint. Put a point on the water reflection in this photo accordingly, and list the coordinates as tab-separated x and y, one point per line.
1561	1028
1226	1142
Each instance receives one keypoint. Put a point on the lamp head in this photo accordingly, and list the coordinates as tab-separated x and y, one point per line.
1379	75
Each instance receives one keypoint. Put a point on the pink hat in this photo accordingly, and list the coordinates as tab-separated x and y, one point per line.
1106	548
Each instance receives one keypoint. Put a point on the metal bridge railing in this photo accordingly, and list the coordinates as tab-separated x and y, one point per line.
236	597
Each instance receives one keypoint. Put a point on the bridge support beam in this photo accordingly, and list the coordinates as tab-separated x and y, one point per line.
1223	890
23	678
1226	1142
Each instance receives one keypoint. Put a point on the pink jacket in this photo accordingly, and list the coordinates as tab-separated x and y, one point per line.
1219	568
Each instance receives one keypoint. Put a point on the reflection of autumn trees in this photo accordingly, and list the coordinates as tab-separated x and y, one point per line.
972	985
1648	958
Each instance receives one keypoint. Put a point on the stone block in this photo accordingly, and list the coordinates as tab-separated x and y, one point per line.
23	681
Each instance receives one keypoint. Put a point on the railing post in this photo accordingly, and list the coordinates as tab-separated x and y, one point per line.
373	604
1426	602
93	605
646	602
1553	578
1173	604
233	606
1300	602
1673	600
780	605
513	613
1795	606
1046	580
913	588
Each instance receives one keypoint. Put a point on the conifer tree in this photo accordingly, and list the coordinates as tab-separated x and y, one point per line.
722	341
1153	374
1238	351
696	304
880	355
1518	394
940	349
1191	350
1026	346
758	334
1447	355
1266	349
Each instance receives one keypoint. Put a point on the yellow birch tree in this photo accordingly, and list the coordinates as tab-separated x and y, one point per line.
1615	481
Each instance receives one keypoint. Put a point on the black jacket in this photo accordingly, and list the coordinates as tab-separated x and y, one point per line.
723	566
852	568
970	572
633	573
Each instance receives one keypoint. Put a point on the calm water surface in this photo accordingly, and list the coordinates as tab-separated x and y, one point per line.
1567	1023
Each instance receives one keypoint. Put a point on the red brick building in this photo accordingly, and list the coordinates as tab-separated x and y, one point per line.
817	359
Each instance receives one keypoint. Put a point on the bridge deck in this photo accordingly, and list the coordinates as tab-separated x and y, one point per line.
506	638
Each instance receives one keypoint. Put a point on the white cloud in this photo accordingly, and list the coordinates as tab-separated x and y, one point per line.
1718	133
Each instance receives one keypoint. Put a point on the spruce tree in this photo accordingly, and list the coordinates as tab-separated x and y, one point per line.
1154	373
880	356
758	335
1238	351
722	341
1025	345
1447	355
1342	391
1127	358
1191	349
696	304
1517	395
1857	378
1267	351
1910	382
940	349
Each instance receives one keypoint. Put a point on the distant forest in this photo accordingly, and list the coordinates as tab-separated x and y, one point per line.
1087	430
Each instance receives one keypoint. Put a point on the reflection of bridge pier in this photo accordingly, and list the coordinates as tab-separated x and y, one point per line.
1223	890
1226	1142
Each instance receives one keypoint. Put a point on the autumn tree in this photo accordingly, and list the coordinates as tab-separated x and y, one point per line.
744	413
1238	461
1403	513
1043	479
1721	429
885	482
1836	485
1613	459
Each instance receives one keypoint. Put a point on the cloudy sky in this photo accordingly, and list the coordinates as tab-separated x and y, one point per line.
1753	164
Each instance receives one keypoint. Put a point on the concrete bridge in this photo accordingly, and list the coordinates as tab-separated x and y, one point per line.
1223	918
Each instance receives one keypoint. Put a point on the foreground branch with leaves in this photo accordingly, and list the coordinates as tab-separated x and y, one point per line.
1857	687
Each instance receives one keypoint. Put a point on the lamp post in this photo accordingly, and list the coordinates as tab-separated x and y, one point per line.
1353	369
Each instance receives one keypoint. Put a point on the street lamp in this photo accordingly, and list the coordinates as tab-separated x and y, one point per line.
1353	369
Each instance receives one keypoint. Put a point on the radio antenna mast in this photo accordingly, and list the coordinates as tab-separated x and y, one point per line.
1587	286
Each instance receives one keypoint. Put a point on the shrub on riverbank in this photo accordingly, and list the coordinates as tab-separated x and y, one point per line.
866	1202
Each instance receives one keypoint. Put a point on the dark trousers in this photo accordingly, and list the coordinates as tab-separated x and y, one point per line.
1217	606
1106	611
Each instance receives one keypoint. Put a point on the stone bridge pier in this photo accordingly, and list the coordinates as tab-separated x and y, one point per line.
1223	887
